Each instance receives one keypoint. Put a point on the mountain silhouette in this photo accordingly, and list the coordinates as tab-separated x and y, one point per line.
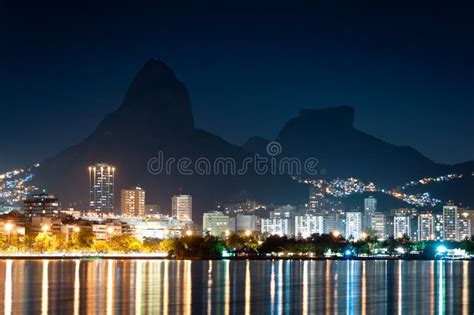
155	116
343	151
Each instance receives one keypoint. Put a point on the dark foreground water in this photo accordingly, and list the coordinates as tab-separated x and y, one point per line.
236	287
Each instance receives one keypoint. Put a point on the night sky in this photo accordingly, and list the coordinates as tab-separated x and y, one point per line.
409	72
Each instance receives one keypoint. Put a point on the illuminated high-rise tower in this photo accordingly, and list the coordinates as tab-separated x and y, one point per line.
450	223
101	187
425	227
316	197
353	225
133	202
182	207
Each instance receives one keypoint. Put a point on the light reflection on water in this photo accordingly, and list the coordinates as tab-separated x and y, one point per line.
236	287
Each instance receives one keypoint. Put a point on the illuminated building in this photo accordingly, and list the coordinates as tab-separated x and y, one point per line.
378	225
464	226
46	224
316	198
105	231
470	215
370	206
353	225
133	202
215	223
162	228
308	224
279	223
425	227
245	222
438	227
401	225
331	222
182	207
101	187
450	222
41	204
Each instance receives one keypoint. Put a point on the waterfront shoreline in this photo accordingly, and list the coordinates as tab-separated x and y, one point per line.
161	257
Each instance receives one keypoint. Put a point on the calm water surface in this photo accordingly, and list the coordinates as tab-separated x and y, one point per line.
236	287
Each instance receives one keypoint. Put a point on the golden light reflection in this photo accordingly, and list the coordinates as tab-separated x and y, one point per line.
7	305
77	286
248	288
209	288
364	290
465	287
187	287
179	292
155	289
227	287
327	288
44	288
110	286
165	288
138	287
304	307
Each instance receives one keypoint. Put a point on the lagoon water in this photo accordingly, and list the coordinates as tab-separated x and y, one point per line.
236	287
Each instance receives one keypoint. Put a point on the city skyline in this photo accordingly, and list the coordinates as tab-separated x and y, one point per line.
236	158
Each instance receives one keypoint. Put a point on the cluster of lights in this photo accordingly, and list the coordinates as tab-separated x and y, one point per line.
428	180
349	186
16	185
344	187
421	200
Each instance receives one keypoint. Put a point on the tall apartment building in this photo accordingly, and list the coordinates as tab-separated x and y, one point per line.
370	206
316	199
470	215
378	225
450	223
464	226
182	207
101	187
401	225
425	227
438	227
353	225
132	202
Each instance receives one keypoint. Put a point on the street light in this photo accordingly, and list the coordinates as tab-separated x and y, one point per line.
336	233
77	229
45	228
227	233
363	235
248	233
189	233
